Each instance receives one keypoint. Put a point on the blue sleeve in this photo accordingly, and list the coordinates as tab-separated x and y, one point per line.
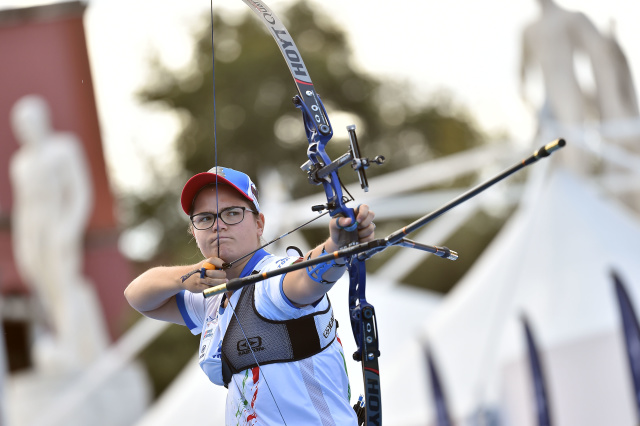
188	320
289	302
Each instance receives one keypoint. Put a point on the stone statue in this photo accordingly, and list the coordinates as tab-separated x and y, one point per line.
550	42
52	201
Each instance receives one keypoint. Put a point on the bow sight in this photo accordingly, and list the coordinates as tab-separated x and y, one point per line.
318	171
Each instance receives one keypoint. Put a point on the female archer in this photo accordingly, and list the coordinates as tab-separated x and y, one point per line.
273	344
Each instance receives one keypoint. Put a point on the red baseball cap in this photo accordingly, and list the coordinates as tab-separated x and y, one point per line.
220	175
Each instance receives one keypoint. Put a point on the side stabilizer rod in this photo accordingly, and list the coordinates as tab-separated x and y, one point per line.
443	252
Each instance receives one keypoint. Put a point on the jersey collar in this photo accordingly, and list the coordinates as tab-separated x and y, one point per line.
255	259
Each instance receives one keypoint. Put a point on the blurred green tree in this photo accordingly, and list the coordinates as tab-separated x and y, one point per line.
256	125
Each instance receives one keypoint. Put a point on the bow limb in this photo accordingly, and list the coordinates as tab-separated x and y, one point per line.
316	122
307	96
365	330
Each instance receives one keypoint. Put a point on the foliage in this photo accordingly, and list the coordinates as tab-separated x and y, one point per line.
256	127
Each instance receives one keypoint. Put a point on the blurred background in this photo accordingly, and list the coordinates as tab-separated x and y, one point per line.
107	108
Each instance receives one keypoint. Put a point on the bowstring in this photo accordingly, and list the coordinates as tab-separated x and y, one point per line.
215	122
215	144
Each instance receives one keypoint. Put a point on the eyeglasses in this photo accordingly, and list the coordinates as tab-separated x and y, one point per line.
230	216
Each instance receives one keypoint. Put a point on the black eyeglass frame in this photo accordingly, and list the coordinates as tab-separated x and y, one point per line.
218	215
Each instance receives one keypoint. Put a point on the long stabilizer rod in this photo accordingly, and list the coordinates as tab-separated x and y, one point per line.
366	250
545	151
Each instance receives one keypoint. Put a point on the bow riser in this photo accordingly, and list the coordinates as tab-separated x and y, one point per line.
319	160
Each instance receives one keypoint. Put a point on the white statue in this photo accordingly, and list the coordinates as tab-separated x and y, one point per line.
52	201
550	42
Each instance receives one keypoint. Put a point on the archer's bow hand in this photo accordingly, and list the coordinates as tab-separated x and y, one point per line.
365	229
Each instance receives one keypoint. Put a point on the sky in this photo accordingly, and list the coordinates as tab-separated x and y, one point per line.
470	49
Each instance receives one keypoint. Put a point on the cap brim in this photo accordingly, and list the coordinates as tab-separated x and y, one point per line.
197	182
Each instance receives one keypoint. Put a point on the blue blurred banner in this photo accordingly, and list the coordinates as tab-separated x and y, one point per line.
442	412
542	401
631	335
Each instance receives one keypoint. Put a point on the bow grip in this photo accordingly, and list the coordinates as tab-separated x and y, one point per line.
347	236
205	267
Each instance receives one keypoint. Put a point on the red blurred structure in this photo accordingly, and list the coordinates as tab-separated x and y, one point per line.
44	52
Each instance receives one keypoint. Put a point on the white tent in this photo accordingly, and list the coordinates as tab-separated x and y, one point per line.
552	262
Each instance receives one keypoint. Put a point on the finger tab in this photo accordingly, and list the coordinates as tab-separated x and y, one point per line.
206	266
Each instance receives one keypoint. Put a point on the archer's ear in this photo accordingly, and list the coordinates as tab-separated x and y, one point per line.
260	223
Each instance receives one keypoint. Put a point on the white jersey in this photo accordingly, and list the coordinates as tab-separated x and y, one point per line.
312	391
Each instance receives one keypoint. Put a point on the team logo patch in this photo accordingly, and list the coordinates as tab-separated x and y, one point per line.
218	171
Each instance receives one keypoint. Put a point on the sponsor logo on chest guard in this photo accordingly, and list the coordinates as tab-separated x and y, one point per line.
251	344
327	330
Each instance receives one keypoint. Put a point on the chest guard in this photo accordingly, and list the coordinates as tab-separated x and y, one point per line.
272	341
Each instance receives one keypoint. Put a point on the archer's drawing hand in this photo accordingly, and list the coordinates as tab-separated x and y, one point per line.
214	275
